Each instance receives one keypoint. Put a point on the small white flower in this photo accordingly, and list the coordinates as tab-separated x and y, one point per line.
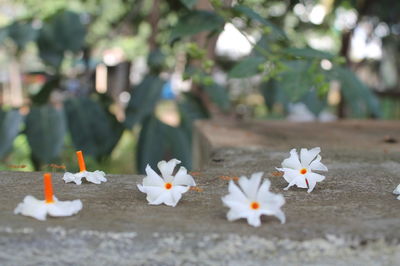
300	172
167	189
252	200
51	205
95	177
38	209
397	191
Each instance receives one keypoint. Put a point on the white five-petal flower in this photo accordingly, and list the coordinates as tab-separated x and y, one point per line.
94	177
251	200
39	209
167	189
299	172
396	191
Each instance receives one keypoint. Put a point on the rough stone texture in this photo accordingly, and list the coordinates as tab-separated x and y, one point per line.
349	219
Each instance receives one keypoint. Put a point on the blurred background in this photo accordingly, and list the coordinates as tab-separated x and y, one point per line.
124	80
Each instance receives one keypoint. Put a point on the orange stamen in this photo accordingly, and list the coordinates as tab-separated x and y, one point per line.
168	185
195	173
255	205
81	161
196	189
48	188
225	177
303	171
277	173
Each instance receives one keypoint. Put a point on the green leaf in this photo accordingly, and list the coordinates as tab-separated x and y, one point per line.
144	98
248	67
296	80
275	34
308	53
273	94
43	95
93	130
314	103
151	144
62	32
10	123
189	3
191	110
218	95
158	141
197	21
22	33
45	130
357	95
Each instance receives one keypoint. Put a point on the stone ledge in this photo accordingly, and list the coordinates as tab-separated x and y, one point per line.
350	218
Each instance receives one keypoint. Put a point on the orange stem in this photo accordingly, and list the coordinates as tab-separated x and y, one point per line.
48	188
81	161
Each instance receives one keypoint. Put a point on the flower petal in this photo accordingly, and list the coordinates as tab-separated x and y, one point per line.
264	190
397	190
234	215
313	178
153	192
254	219
96	177
152	178
70	177
236	193
293	161
316	165
182	178
32	207
289	174
64	208
250	186
167	168
306	156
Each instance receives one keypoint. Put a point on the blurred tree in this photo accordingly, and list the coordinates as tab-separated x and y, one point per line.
179	37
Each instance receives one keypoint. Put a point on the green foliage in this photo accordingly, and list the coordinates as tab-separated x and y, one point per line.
158	140
218	95
62	32
10	124
357	95
45	129
92	128
248	67
21	33
191	109
189	3
308	53
196	21
275	33
144	98
43	95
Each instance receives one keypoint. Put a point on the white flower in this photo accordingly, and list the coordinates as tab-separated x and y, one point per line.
95	177
397	191
40	208
167	189
51	205
253	200
300	172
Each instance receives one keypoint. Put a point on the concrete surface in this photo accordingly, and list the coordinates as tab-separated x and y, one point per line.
349	219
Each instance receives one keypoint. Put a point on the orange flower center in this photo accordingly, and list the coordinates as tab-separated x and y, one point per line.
255	205
168	185
303	171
